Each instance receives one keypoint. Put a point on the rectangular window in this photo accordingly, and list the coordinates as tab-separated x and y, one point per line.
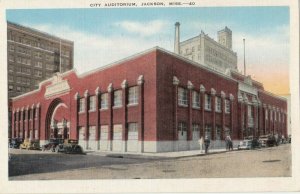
10	78
133	131
117	132
92	103
37	73
81	105
104	132
10	68
104	101
218	104
12	48
266	115
218	133
182	131
208	131
133	96
196	131
92	132
10	87
275	116
38	64
117	98
182	97
271	115
250	111
11	58
227	106
207	102
196	99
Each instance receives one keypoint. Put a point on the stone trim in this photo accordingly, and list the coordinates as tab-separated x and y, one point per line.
202	88
124	84
175	80
140	80
190	85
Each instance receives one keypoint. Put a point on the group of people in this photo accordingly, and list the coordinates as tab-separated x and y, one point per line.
206	142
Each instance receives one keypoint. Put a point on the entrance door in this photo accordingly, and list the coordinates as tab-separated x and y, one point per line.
104	137
92	144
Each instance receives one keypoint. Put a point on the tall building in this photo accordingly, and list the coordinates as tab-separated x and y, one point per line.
34	56
206	51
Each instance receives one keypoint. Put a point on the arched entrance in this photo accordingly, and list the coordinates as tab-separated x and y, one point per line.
57	120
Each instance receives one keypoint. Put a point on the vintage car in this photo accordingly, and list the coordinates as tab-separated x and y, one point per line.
69	147
249	143
30	144
272	141
52	144
15	143
263	140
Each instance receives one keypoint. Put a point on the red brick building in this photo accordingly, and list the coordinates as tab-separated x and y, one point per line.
154	101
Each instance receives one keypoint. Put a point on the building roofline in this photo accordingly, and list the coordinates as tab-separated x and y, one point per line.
41	83
239	74
11	24
273	95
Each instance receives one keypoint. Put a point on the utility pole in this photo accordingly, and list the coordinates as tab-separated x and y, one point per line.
244	58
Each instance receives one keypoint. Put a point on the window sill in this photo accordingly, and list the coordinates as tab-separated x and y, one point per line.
218	111
130	105
81	112
103	109
197	108
117	107
183	105
227	113
92	110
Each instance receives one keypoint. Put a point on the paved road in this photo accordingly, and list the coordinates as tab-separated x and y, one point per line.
35	165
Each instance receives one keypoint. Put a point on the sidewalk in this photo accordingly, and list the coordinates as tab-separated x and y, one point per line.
179	154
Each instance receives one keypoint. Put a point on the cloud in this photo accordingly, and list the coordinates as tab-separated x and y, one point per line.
95	50
143	28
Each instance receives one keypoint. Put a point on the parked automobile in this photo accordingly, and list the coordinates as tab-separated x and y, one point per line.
30	144
69	147
290	138
15	143
52	144
272	141
263	140
249	143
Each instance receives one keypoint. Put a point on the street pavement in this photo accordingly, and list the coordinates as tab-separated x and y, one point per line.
37	165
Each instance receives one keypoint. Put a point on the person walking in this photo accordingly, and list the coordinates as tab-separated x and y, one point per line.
206	143
201	143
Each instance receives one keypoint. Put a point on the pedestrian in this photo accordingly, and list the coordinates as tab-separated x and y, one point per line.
206	143
201	143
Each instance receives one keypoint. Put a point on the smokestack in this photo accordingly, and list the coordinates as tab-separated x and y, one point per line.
177	38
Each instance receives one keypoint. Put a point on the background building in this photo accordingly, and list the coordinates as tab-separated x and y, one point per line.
34	56
206	51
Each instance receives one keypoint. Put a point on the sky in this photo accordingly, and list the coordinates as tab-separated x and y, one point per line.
102	36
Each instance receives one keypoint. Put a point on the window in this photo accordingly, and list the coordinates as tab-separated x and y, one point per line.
249	111
271	115
227	106
92	132
266	114
182	129
133	96
275	116
50	67
117	132
196	99
196	131
218	104
218	133
11	58
133	131
38	73
18	88
117	98
12	48
92	103
38	64
10	87
10	78
10	68
104	101
103	132
208	131
81	105
25	70
207	102
182	97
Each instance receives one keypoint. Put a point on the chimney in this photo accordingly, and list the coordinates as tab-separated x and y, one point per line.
177	38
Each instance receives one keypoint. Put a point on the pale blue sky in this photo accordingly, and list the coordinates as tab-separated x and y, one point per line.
102	36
